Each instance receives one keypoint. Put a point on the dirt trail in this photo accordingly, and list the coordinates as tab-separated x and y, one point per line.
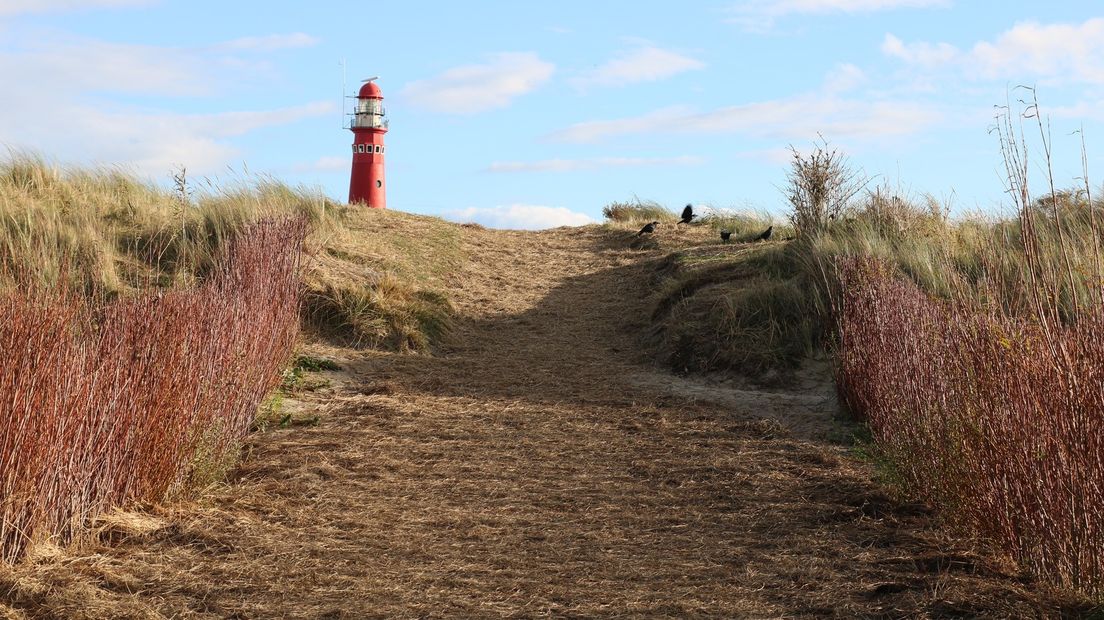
539	466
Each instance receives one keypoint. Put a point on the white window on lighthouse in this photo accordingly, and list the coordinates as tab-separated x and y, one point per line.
369	113
377	148
369	106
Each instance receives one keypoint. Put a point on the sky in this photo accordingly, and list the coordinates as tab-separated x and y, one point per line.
536	114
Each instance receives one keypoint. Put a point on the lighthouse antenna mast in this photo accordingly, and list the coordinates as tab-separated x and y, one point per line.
343	96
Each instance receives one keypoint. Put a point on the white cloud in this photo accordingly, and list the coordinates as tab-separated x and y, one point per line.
782	7
807	115
597	163
239	123
63	100
761	14
327	163
594	131
923	54
1047	50
796	118
520	216
646	64
80	65
778	155
152	142
19	7
475	88
843	78
269	43
1029	50
68	67
1091	110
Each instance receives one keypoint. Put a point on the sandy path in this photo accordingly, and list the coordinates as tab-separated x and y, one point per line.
537	467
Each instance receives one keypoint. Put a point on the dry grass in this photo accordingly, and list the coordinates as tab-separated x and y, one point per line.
377	280
974	361
736	307
523	472
745	226
115	234
536	466
637	212
740	306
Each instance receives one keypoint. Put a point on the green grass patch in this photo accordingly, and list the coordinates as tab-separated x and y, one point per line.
743	309
311	363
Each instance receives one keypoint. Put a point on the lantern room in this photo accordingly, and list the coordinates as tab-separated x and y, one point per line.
369	107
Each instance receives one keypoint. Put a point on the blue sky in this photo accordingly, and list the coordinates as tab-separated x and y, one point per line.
524	114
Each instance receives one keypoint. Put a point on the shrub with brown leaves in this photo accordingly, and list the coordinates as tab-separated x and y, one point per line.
996	418
106	404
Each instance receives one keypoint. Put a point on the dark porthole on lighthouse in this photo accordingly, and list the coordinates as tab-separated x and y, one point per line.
379	183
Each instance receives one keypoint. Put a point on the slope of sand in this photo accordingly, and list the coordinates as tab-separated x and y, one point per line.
538	466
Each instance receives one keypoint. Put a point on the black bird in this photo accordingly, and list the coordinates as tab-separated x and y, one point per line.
766	234
649	228
687	214
725	234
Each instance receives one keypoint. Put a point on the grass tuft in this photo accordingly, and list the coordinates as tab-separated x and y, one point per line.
311	363
637	211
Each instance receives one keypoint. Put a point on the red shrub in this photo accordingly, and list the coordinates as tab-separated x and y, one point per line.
997	419
105	405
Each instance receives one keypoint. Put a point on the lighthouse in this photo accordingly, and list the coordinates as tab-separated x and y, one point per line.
366	183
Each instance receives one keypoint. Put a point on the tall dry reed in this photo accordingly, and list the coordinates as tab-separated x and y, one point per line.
972	348
997	419
107	404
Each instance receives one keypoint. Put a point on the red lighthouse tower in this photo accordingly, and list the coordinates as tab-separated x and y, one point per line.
368	125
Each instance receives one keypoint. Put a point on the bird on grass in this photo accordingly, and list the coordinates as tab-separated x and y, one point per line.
725	234
765	235
687	214
649	228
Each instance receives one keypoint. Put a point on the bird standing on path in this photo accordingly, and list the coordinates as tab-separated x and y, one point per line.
725	234
687	214
765	235
649	228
